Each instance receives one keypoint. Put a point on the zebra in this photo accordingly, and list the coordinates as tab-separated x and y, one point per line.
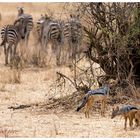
27	25
49	30
52	32
39	28
73	34
11	35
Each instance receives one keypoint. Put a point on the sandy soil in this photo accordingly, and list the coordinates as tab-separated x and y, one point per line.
33	122
34	86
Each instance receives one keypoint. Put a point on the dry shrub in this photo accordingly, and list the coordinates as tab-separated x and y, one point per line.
16	67
66	102
32	54
42	57
22	52
38	58
134	90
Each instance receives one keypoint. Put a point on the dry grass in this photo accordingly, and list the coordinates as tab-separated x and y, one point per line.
40	121
34	89
9	76
9	15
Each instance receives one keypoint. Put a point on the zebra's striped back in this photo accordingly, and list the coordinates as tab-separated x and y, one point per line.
27	21
9	34
55	31
52	30
67	30
27	24
26	18
73	30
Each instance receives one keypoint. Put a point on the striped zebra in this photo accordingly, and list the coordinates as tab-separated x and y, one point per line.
39	28
73	34
27	25
50	31
11	35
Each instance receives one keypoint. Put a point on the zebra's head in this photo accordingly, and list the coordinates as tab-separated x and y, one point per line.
20	10
43	19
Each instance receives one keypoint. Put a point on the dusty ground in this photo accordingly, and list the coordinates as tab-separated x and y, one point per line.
33	89
33	122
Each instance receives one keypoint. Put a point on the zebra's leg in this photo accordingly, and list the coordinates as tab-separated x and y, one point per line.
63	58
58	55
78	50
13	52
15	48
5	53
45	43
74	50
70	51
11	55
26	39
42	41
53	47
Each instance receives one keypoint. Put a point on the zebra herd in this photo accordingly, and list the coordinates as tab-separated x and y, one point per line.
12	34
60	33
48	29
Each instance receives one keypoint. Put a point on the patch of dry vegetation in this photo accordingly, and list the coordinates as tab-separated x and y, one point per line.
52	112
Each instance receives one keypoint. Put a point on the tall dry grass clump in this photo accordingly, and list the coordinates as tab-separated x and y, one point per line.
16	68
9	76
38	58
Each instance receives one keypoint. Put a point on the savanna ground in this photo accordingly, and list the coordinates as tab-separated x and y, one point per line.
37	120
